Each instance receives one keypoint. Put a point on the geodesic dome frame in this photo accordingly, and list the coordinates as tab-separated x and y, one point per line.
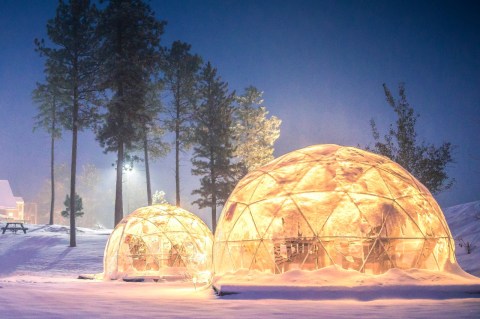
160	242
330	205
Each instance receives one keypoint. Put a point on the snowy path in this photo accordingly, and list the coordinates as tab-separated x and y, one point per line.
87	299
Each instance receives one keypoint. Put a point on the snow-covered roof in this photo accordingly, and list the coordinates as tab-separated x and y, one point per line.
7	200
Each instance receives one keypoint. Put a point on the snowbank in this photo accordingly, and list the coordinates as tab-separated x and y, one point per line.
333	283
464	223
38	279
332	276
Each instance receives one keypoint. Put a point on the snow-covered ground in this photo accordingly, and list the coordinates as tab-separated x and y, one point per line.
464	223
38	279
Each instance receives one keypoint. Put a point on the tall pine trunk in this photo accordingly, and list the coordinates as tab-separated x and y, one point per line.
118	186
52	178
177	158
214	193
147	169
73	167
52	165
214	212
73	172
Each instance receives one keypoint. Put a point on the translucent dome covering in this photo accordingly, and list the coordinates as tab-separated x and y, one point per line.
160	242
330	205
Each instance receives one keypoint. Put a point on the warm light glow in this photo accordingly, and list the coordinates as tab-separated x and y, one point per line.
330	205
160	242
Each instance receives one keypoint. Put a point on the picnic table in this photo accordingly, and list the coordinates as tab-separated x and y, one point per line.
14	227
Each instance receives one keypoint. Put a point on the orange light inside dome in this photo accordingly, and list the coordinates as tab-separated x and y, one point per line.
330	205
160	242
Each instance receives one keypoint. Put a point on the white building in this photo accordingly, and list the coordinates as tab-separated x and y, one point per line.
11	207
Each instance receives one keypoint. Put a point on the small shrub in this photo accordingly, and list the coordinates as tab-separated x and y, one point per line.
468	245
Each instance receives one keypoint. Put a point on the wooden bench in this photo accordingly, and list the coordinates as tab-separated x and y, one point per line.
14	227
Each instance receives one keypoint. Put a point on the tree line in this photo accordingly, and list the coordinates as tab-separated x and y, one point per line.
106	70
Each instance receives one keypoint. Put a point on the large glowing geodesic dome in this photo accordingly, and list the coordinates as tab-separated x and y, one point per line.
160	242
331	205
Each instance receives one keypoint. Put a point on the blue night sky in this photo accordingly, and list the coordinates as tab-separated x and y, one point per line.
321	65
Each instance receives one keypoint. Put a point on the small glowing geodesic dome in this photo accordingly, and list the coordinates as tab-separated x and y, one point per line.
331	205
160	241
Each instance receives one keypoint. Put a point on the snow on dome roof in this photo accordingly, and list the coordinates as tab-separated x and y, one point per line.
160	242
331	205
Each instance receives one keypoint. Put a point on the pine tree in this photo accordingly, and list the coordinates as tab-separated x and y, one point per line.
255	134
49	101
213	150
72	63
180	69
78	207
129	52
426	162
152	143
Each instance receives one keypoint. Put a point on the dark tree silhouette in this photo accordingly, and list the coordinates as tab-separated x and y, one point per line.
78	207
180	69
426	162
213	150
49	100
71	61
130	50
